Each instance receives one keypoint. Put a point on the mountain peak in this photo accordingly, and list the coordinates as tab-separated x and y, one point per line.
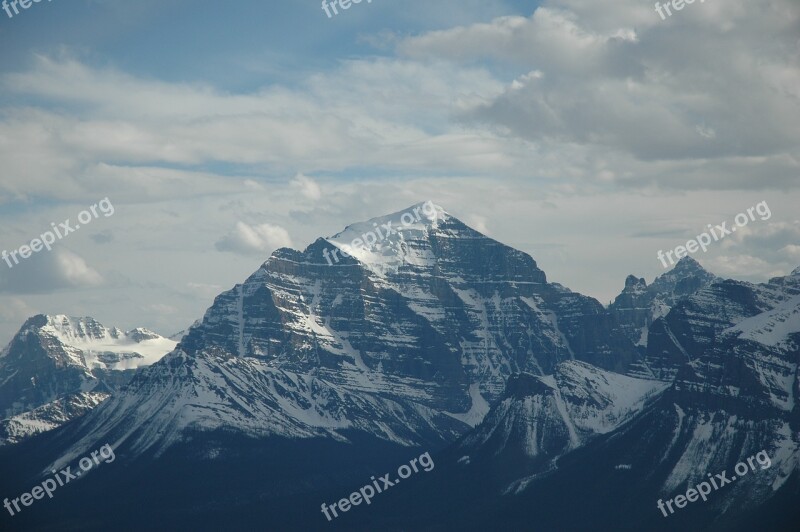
685	269
387	241
688	263
633	283
417	216
109	347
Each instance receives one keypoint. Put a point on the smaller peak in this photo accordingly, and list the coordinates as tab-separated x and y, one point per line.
684	268
38	321
62	318
141	334
64	321
795	272
632	282
688	263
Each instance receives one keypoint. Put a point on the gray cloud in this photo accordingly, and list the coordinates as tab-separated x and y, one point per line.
103	237
711	88
48	271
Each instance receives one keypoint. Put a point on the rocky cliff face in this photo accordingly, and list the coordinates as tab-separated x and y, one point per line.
49	416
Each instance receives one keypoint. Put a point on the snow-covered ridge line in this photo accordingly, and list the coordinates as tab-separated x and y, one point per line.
382	241
129	350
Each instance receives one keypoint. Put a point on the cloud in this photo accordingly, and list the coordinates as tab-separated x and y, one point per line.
690	90
479	223
247	239
48	271
205	289
775	242
307	186
160	308
15	311
103	237
253	185
743	267
88	131
574	94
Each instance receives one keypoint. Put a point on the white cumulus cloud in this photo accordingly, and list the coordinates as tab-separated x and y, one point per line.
247	239
307	186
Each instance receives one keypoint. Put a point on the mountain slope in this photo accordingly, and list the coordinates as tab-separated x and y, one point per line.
540	419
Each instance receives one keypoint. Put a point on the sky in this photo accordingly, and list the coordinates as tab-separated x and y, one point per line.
590	134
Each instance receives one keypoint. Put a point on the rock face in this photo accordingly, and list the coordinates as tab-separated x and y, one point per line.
327	364
57	368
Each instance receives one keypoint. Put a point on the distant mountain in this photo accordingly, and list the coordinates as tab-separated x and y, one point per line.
639	305
57	368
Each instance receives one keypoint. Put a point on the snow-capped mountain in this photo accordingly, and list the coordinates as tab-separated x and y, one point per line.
408	341
332	364
57	368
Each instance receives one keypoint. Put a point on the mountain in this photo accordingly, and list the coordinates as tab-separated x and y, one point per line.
397	345
57	368
413	332
639	305
420	332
